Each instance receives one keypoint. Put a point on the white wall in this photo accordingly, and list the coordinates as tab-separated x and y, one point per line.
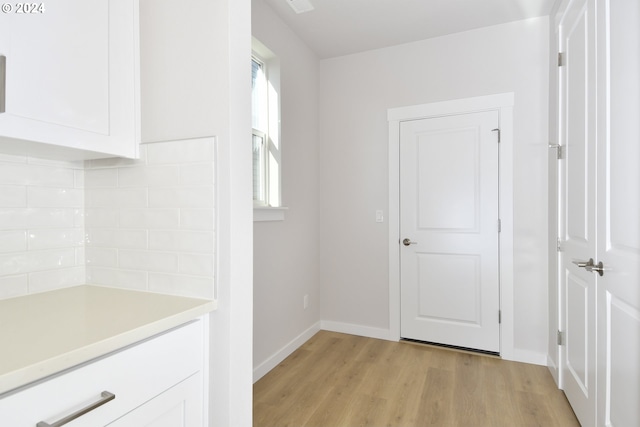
286	252
355	93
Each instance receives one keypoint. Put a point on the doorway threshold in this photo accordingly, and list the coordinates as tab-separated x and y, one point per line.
452	347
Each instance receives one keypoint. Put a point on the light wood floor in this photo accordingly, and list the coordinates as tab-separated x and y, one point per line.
337	380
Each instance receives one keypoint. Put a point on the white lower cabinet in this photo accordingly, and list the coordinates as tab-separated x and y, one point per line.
157	382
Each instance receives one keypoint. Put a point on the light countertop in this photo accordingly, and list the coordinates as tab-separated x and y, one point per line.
42	334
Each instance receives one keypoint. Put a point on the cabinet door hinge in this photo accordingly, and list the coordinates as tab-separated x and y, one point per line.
560	338
497	130
499	316
560	59
499	225
560	152
558	245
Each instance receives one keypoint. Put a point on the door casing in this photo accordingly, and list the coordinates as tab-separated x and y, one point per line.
503	103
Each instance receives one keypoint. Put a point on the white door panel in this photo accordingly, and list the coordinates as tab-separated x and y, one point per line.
619	215
577	222
449	209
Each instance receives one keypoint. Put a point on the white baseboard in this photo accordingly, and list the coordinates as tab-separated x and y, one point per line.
553	369
363	331
273	361
528	356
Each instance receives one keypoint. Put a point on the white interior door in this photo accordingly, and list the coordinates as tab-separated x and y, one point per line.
449	212
578	198
619	216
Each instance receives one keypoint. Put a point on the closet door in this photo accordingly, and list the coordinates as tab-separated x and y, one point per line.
619	213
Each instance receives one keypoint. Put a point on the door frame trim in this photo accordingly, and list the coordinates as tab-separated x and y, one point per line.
503	103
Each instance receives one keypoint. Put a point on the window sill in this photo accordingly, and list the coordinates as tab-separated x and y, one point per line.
269	213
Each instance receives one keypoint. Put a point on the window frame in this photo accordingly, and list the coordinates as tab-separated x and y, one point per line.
271	208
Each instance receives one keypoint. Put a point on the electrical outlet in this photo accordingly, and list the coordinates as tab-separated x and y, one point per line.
379	216
305	302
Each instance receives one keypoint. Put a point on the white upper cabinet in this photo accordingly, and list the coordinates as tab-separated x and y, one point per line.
71	85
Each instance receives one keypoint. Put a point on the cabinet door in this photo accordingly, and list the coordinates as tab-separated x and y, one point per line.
180	406
71	77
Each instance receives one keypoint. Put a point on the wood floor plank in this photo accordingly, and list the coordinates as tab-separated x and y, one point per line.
339	380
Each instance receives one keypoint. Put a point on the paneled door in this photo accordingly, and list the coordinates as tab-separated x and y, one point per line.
449	230
618	213
578	202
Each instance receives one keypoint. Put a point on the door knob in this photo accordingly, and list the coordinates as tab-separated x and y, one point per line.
408	242
599	268
583	264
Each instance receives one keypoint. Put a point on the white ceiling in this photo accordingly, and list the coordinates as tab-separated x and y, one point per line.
341	27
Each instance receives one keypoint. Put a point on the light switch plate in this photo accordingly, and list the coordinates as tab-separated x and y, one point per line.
379	216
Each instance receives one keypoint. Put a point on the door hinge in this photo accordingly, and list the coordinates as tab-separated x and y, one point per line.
497	130
560	59
560	152
560	338
499	225
558	245
499	316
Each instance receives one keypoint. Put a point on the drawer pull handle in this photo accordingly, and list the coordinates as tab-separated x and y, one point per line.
105	397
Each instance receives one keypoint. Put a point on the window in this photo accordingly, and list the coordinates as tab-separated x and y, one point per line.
259	122
265	118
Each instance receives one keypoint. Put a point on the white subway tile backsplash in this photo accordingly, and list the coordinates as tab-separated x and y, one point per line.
41	225
144	224
182	285
52	217
53	197
116	197
13	286
148	176
45	176
149	218
50	259
14	263
13	241
197	219
117	278
50	177
41	281
101	257
149	261
181	241
78	178
197	174
196	264
55	238
131	239
13	196
100	237
99	178
182	197
102	217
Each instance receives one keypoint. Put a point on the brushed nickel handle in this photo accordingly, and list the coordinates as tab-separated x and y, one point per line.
598	268
583	264
3	82
408	242
105	397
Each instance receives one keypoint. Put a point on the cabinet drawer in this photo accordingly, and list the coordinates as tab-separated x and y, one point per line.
135	375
